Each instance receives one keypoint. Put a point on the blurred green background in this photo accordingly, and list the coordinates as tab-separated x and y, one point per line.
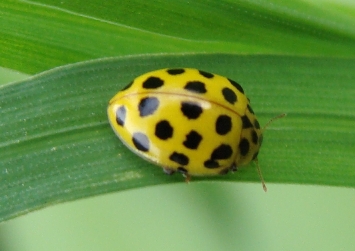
206	215
199	216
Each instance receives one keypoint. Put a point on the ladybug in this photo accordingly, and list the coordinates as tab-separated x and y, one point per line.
187	120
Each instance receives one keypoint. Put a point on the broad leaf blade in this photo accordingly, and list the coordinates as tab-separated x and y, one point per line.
56	143
41	34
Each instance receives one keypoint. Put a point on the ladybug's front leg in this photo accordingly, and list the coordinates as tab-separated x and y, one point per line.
233	168
181	170
168	170
187	178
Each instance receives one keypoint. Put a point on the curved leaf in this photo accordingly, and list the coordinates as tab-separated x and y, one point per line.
40	34
56	144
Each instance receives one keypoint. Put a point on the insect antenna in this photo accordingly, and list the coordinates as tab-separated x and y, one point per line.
272	120
256	160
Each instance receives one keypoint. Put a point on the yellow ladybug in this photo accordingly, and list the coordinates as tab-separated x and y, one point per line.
187	120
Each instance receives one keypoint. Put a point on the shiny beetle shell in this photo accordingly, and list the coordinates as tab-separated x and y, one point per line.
187	120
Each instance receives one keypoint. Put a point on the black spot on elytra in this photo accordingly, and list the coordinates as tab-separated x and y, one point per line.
127	86
250	109
255	156
141	141
244	146
246	122
121	115
236	85
163	130
222	152
254	137
206	74
193	139
229	95
223	124
152	83
179	158
191	110
261	138
256	124
175	71
196	87
211	163
148	106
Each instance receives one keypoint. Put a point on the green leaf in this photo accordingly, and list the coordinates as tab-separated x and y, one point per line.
38	35
56	144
